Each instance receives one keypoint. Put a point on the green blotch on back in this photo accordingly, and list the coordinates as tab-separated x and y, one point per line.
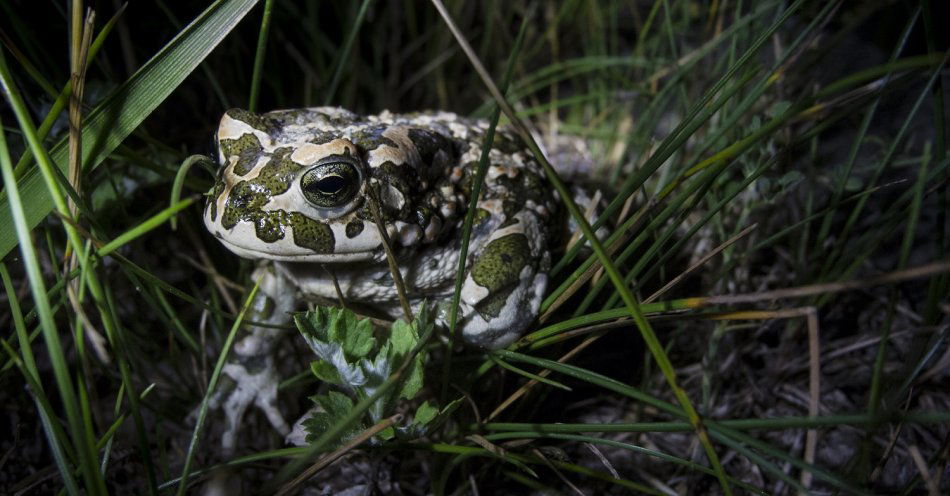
435	151
323	137
257	121
311	234
492	305
500	263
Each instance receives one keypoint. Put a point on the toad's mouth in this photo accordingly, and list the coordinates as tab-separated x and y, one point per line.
298	255
333	245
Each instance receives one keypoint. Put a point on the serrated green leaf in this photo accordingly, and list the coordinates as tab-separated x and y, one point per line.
106	126
325	372
358	340
335	325
334	403
403	339
413	383
311	325
340	327
331	330
335	406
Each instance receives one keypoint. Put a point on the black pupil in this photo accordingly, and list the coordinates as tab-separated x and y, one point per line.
331	184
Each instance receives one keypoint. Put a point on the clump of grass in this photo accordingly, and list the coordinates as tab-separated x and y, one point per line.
766	312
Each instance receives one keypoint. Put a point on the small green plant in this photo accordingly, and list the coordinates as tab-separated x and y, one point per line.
352	359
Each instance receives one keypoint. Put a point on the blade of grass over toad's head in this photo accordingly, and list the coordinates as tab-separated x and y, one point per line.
123	110
259	56
477	183
343	57
646	330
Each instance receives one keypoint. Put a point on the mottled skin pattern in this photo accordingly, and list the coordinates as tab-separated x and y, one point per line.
293	191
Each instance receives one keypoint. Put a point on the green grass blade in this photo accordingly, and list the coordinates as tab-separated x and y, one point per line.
259	56
343	58
594	378
92	479
120	113
477	183
19	325
524	373
145	226
624	446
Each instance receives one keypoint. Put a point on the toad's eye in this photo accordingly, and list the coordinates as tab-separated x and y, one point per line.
330	184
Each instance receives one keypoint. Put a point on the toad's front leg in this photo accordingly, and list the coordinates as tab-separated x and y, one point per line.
251	366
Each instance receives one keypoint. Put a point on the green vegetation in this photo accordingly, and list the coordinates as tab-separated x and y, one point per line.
766	314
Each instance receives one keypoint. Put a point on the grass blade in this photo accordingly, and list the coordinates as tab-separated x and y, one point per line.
118	115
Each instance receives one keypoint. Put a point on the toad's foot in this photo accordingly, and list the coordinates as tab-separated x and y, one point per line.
255	381
251	369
